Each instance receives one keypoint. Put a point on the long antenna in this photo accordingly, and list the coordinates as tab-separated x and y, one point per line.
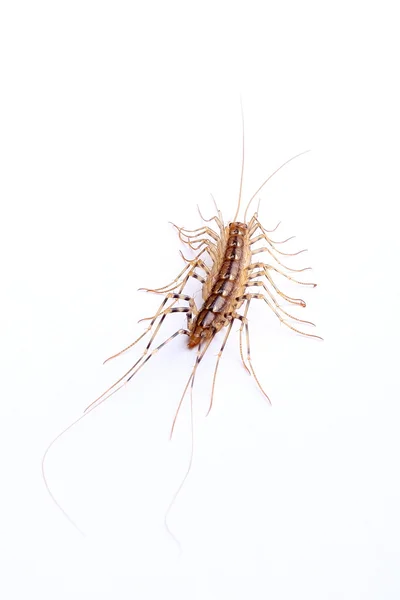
241	174
268	178
66	515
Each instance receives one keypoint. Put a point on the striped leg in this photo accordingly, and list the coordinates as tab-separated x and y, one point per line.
278	307
265	266
264	235
245	324
192	310
190	382
192	264
266	249
202	230
133	370
217	363
296	301
262	297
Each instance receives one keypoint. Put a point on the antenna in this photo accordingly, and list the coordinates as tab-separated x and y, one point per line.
241	174
268	178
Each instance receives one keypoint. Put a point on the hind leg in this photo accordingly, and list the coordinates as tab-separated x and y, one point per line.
245	324
132	371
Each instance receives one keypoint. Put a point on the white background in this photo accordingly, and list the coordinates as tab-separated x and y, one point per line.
117	117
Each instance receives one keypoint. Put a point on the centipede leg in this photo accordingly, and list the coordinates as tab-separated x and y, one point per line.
274	300
262	297
202	242
253	225
241	348
217	363
202	265
292	237
162	314
200	354
134	369
206	230
168	311
197	264
219	220
264	236
158	313
191	239
184	270
211	251
180	284
243	319
296	301
192	310
191	266
266	249
163	303
266	266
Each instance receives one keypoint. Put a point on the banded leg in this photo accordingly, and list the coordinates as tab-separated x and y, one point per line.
199	263
292	237
192	264
203	230
190	239
190	311
158	327
168	311
219	220
274	300
202	242
262	297
296	301
211	251
163	288
266	249
163	313
175	297
140	362
241	350
180	284
160	309
253	225
264	271
205	245
243	319
217	363
266	266
264	236
133	370
256	239
200	354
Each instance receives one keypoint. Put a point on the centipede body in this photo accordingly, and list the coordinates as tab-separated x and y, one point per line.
228	279
226	267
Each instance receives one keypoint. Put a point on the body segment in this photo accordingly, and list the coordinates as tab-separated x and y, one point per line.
227	285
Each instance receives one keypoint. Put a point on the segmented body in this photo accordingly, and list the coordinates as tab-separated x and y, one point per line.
227	284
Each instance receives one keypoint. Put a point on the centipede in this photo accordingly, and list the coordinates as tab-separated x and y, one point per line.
225	262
